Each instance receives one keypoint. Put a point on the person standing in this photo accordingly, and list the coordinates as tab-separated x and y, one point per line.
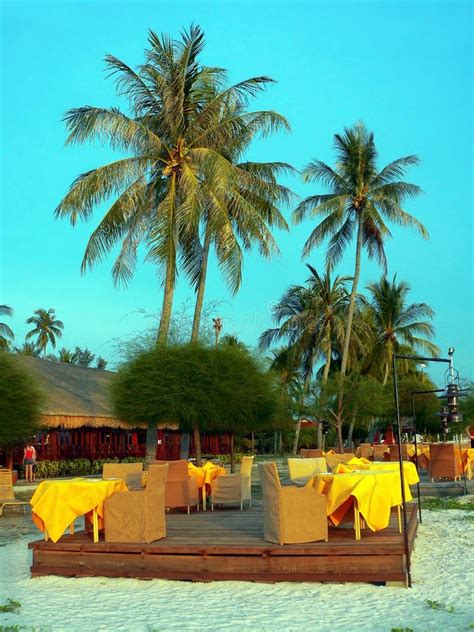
29	460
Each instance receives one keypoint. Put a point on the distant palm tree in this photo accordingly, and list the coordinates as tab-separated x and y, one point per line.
28	349
67	356
360	201
230	340
311	320
46	328
177	169
101	363
397	324
6	333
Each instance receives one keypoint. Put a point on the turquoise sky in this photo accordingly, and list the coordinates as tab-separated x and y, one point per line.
405	68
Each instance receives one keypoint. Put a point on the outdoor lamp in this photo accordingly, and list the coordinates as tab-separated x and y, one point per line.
325	426
444	418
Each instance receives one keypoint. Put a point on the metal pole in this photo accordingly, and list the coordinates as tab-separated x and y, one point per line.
416	457
402	477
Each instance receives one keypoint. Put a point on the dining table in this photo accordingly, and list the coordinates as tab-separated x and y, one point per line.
370	492
204	476
56	505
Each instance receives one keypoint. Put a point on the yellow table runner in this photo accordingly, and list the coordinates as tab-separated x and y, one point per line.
56	504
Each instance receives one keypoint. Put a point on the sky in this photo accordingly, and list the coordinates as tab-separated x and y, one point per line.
404	68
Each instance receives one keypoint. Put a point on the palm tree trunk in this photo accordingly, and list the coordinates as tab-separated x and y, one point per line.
339	435
327	366
201	287
350	313
385	377
170	278
165	319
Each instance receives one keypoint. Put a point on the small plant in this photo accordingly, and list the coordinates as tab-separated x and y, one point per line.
402	630
11	606
442	504
434	605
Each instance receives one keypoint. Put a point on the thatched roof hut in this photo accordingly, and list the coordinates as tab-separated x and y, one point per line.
75	396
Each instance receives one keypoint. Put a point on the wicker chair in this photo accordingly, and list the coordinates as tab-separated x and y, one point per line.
234	488
7	494
292	515
301	471
181	489
138	516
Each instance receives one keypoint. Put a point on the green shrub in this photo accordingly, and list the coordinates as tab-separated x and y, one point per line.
11	606
76	467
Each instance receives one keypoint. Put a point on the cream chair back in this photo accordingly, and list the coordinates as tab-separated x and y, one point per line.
246	465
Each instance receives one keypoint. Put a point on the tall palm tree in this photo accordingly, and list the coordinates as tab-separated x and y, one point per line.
46	328
396	323
173	133
311	320
361	199
239	217
6	333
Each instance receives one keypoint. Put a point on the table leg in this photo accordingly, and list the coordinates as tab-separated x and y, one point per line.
45	534
71	528
356	522
399	518
95	522
204	497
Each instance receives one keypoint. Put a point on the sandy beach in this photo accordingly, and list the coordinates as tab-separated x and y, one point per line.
441	598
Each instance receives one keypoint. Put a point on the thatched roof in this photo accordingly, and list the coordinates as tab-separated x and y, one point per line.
75	396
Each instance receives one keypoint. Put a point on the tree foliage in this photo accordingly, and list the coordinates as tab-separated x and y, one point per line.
20	401
221	390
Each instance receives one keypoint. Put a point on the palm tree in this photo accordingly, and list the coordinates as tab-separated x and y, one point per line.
311	320
101	363
28	349
360	201
67	356
239	217
173	131
6	333
46	328
396	323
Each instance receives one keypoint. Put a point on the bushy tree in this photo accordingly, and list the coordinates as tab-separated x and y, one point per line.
200	388
20	401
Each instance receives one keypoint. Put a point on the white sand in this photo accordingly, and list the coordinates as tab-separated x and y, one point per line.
443	571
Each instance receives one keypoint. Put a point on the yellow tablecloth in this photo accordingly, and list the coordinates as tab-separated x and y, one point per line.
204	476
375	491
56	504
410	474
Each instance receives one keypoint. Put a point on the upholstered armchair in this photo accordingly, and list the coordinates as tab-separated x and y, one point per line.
394	452
291	515
181	489
307	453
138	516
301	470
130	473
333	460
234	488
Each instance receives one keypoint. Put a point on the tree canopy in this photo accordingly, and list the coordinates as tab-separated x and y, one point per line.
20	401
221	390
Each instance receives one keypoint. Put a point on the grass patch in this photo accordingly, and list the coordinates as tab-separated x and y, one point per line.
11	606
442	504
436	605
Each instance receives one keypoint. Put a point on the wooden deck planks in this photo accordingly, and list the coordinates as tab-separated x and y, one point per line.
224	545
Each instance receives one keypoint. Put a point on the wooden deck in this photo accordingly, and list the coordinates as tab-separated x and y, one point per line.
228	545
